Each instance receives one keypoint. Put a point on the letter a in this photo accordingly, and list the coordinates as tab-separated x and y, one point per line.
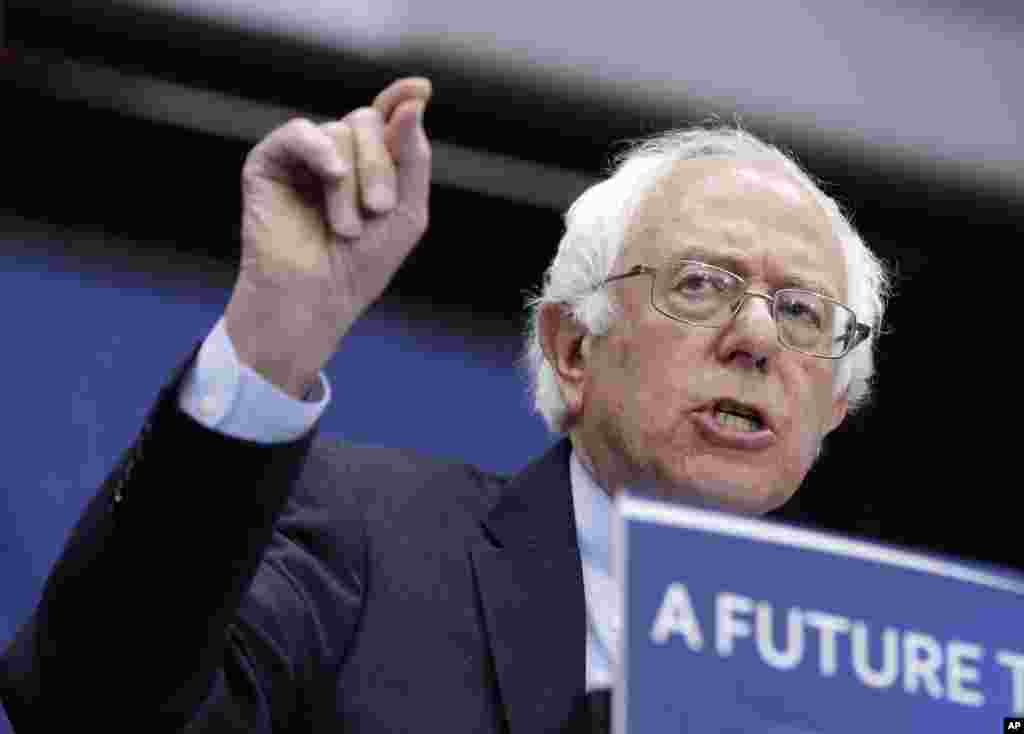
676	616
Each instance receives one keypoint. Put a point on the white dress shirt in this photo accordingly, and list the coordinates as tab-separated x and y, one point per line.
228	396
225	395
593	509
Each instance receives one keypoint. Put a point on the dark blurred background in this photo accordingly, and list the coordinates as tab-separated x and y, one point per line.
125	125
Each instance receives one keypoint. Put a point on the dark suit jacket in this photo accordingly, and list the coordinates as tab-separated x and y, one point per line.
309	586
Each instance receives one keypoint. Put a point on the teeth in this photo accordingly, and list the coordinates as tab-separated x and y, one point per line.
737	422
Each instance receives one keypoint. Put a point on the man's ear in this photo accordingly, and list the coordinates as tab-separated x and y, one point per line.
566	346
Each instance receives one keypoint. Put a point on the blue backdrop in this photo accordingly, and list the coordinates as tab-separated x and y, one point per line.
90	342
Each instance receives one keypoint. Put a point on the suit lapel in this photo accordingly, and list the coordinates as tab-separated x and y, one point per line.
531	588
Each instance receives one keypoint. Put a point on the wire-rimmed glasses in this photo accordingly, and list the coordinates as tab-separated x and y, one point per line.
700	294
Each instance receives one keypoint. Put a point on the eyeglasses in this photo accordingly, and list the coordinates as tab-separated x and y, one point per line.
699	294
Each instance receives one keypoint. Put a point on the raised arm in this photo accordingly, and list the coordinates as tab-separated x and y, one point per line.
186	592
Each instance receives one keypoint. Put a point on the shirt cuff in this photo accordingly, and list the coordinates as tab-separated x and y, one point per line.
230	397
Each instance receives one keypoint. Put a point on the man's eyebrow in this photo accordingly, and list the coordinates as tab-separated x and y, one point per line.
734	263
809	284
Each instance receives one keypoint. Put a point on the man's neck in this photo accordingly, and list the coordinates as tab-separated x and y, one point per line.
578	446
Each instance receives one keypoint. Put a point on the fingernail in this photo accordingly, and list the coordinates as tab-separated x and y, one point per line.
381	198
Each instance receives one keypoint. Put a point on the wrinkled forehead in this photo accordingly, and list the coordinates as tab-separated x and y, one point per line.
744	210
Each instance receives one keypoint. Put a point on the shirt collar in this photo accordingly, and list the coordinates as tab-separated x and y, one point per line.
592	507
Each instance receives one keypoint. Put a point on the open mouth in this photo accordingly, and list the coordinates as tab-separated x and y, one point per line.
731	424
737	416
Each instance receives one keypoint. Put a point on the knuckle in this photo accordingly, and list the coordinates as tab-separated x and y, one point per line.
283	139
337	128
300	125
365	116
340	134
297	128
310	137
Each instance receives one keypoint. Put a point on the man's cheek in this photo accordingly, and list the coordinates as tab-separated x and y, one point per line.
804	449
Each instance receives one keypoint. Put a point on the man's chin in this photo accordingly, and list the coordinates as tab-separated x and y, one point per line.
721	488
731	498
742	500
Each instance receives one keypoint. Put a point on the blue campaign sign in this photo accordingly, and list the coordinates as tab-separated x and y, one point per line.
733	624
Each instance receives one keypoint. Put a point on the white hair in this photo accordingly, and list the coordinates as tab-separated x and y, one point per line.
595	233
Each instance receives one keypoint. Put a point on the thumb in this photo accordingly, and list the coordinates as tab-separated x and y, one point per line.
409	147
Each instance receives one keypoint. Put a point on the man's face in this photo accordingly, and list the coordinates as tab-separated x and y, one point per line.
650	387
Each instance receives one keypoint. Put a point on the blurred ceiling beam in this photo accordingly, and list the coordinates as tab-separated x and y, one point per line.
248	120
917	92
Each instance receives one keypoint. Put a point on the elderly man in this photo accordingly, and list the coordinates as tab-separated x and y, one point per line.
706	322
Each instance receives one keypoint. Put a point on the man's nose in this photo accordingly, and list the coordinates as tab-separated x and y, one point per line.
755	311
753	336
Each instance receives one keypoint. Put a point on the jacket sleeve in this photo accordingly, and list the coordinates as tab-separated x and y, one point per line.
176	602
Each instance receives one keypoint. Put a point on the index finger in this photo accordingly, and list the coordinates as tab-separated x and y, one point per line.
411	87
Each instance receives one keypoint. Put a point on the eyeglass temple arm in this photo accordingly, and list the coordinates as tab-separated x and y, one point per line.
635	270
